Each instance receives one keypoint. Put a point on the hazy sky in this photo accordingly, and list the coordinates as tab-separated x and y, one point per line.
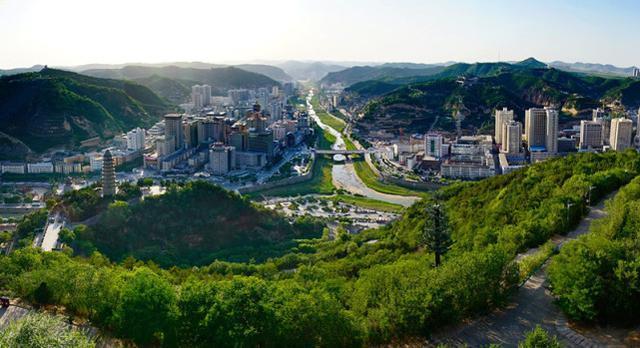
71	32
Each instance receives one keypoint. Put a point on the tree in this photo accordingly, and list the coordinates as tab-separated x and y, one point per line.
539	338
147	308
43	295
435	234
39	330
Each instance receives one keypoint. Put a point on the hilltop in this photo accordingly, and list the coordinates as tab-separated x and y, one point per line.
190	224
220	79
477	89
59	108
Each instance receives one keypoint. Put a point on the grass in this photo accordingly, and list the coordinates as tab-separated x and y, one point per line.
369	178
321	183
531	263
367	203
326	117
325	139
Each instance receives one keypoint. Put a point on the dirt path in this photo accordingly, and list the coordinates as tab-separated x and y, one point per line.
531	306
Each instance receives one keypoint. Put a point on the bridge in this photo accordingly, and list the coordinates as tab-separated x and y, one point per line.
339	152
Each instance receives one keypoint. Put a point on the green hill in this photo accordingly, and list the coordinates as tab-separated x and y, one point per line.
220	79
270	71
486	86
189	225
357	74
53	108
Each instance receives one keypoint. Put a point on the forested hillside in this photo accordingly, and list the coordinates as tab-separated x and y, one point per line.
54	107
374	287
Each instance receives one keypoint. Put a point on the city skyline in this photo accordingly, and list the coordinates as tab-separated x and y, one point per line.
69	32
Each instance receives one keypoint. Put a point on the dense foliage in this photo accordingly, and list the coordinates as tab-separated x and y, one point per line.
416	106
376	286
54	107
38	330
597	276
188	224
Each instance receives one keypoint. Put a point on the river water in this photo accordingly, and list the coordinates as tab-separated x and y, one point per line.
344	175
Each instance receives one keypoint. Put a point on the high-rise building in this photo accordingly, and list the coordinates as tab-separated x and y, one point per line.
511	137
222	159
108	175
536	127
621	129
551	142
261	142
601	116
135	139
501	117
590	135
173	129
636	72
200	96
433	145
190	133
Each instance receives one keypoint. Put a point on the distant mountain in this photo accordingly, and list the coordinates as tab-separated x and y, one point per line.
21	70
313	71
52	107
270	71
589	68
418	107
220	79
531	63
176	91
357	74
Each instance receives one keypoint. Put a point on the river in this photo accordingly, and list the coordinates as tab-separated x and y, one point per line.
344	175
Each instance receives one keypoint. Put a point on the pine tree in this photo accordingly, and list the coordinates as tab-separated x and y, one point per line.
435	235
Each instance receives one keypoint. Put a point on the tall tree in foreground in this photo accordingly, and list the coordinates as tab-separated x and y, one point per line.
435	234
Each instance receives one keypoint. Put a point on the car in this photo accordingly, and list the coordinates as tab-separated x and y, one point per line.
52	219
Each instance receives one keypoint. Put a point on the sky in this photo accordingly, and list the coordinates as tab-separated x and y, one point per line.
74	32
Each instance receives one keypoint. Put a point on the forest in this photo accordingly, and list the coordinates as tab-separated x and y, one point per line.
375	287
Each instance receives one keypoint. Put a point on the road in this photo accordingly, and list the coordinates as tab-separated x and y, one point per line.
51	233
344	175
531	306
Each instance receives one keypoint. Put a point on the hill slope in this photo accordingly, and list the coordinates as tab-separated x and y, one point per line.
416	107
270	71
357	74
220	79
54	107
188	225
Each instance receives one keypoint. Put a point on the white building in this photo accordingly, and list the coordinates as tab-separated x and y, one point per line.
15	168
552	130
621	129
135	139
222	159
40	167
200	96
501	117
590	135
511	142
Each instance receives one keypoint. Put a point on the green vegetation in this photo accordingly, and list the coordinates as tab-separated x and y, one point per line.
38	330
369	178
129	166
187	224
531	263
37	108
321	183
219	78
596	276
356	290
367	203
539	338
414	106
326	117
